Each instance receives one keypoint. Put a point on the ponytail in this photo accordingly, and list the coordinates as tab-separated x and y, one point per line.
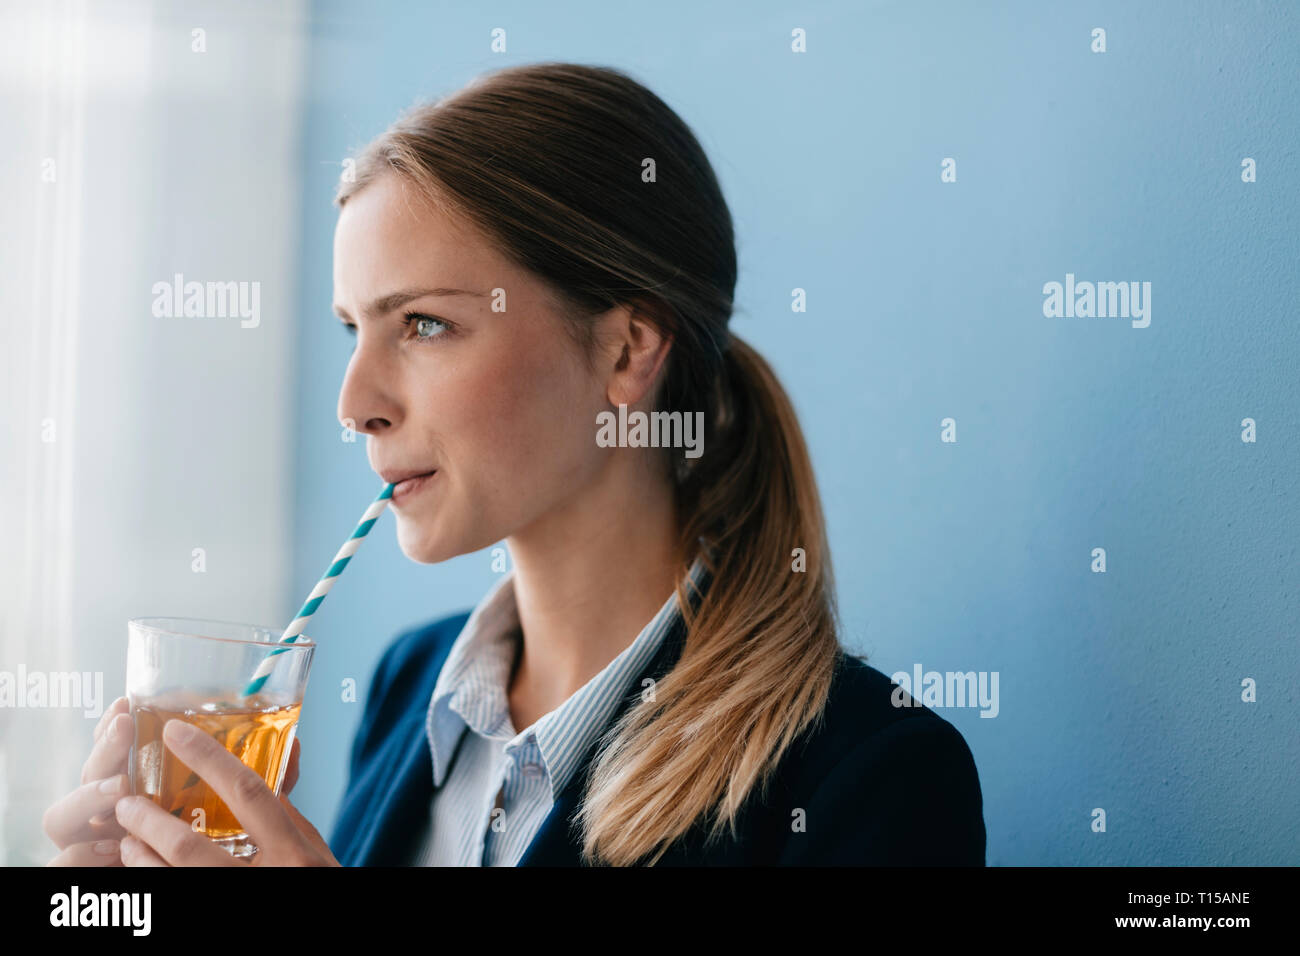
760	651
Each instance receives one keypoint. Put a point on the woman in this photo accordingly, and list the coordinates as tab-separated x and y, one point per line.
658	678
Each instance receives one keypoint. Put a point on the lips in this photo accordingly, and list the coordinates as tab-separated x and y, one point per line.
395	475
410	484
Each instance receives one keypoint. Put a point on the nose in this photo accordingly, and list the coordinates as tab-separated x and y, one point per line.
367	400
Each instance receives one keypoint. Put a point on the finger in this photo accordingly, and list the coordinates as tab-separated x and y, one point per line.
109	755
309	832
256	808
119	706
136	853
291	772
73	819
95	853
172	841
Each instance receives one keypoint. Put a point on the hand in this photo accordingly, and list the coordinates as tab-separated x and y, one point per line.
82	824
282	834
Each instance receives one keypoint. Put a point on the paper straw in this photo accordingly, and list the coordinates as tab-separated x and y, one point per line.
322	588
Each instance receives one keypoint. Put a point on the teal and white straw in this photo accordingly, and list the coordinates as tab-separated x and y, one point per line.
322	588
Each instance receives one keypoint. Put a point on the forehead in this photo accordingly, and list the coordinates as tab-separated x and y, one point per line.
389	232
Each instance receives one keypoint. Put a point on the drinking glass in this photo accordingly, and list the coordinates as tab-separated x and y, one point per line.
196	671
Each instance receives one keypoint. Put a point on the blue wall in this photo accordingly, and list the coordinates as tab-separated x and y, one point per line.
1119	690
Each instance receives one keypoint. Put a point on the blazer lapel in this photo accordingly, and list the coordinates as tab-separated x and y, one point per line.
404	797
403	804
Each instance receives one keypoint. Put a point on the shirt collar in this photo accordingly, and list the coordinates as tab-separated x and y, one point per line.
471	688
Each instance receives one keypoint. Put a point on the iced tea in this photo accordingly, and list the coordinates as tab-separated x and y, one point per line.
259	731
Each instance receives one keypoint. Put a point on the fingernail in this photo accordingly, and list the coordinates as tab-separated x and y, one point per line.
179	731
100	819
106	847
111	785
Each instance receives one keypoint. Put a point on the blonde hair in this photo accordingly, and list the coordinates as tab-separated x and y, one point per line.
547	159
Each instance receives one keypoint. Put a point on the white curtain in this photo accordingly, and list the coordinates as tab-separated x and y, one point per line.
145	458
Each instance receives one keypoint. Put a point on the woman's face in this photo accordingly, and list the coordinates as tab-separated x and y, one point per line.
499	405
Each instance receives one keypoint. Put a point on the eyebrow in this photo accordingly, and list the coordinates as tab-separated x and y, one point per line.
395	300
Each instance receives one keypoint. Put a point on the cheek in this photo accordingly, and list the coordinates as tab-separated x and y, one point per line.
531	420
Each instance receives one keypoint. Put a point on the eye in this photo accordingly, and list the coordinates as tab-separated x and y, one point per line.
427	328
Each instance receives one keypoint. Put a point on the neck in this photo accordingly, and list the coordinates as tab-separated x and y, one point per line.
588	577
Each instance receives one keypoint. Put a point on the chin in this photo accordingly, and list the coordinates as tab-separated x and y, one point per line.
421	546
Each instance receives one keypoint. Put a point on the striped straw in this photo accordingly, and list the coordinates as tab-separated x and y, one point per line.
322	588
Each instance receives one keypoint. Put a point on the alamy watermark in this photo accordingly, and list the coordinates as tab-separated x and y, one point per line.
1102	300
53	689
129	910
654	430
209	300
947	689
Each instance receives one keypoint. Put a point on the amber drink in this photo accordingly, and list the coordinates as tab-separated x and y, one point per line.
194	671
260	733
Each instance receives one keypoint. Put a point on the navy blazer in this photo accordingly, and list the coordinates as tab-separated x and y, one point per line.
878	784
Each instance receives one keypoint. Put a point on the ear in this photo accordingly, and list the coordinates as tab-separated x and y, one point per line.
637	351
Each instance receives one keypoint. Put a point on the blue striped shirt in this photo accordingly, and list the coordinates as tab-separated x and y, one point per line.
496	785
